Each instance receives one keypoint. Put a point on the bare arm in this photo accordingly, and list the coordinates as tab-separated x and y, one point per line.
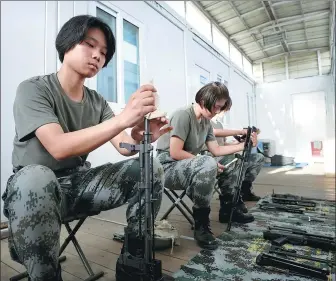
227	132
64	145
220	150
123	137
176	149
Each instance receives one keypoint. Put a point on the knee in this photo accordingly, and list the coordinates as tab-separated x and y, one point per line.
158	171
207	164
259	158
33	183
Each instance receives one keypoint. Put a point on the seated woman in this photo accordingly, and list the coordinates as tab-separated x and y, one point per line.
178	153
256	159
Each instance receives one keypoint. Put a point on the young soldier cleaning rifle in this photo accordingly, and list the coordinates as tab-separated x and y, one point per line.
58	122
184	168
256	160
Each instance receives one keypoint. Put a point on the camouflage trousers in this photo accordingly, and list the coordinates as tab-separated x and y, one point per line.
36	201
200	175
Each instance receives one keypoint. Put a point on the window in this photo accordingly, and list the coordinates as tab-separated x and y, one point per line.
200	22
247	66
236	56
121	77
107	77
177	6
220	41
131	59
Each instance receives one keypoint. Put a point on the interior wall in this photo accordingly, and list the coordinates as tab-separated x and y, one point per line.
169	54
275	115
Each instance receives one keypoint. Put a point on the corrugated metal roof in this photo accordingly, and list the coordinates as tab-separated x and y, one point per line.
306	25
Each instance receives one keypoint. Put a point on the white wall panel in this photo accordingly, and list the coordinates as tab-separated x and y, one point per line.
275	113
22	56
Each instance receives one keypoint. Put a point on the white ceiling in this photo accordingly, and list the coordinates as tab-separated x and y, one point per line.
304	26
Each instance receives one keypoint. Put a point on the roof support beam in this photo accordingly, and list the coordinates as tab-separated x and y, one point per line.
291	53
198	5
247	27
272	16
304	22
318	53
220	21
288	43
286	67
278	23
282	2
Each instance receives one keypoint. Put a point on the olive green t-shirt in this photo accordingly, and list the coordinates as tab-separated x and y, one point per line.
41	100
195	133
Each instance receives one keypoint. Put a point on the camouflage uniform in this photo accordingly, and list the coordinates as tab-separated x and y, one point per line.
199	175
43	190
36	201
227	180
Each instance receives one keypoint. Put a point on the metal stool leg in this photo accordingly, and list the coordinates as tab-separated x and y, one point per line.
176	204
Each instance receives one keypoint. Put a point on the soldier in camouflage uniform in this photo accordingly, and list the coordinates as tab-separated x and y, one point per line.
256	160
58	122
185	169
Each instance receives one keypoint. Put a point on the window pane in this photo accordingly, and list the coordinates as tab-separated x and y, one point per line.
198	21
177	6
107	77
220	41
131	59
247	66
236	56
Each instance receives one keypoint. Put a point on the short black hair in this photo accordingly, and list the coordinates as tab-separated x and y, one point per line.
73	32
210	93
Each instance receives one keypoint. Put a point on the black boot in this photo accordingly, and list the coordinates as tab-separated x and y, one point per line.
225	210
247	194
241	205
202	233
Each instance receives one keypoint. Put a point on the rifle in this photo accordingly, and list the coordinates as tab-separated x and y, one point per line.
293	200
280	207
244	159
282	235
151	268
292	253
304	270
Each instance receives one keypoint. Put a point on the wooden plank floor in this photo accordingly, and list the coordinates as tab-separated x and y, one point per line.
95	236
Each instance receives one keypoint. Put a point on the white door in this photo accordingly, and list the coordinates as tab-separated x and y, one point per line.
309	118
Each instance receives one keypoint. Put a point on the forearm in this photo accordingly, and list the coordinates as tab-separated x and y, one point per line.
126	138
222	150
180	155
84	141
226	132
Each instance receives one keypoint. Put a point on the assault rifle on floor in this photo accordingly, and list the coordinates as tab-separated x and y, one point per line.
292	253
280	207
291	266
282	235
288	199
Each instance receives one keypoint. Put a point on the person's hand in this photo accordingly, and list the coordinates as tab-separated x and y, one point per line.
141	103
220	168
254	139
243	132
157	127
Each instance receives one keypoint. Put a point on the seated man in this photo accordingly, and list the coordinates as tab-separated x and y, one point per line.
58	122
184	168
256	159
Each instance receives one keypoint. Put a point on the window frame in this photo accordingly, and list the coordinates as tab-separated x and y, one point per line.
120	16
